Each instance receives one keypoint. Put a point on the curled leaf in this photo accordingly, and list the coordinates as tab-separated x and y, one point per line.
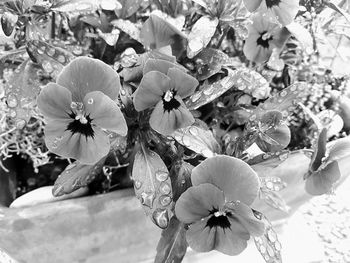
8	22
152	186
197	139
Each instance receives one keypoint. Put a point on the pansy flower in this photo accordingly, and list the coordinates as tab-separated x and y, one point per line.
79	107
217	208
164	85
283	10
263	37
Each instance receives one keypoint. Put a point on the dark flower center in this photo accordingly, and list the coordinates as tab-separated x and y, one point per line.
218	220
77	126
263	40
169	101
271	3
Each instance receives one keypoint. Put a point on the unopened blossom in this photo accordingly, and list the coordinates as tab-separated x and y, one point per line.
284	11
164	86
217	208
79	108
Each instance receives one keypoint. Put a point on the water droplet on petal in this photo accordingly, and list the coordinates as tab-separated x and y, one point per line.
165	188
285	113
147	199
12	100
161	218
137	184
54	145
20	124
162	176
90	101
165	200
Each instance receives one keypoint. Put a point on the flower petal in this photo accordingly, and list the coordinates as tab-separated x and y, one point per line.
200	237
105	113
246	217
252	5
233	176
197	202
286	11
54	101
183	83
255	52
83	75
151	89
86	150
231	241
160	65
166	122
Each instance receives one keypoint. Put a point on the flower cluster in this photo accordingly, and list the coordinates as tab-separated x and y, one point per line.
217	208
79	108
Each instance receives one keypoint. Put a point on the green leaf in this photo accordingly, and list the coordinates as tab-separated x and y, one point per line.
152	186
181	178
8	22
201	33
269	187
129	7
268	244
84	6
252	83
197	139
210	61
285	101
21	91
302	35
132	29
75	176
51	58
209	92
338	10
172	245
319	150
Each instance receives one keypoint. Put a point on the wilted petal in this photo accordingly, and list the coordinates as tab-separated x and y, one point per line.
231	241
54	101
151	89
200	237
166	122
197	202
233	176
245	216
183	83
84	75
252	5
105	113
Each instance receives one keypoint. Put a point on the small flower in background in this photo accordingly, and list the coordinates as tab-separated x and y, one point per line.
264	36
78	107
164	85
284	11
217	206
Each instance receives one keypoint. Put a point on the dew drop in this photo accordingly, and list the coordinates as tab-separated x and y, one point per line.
252	118
209	90
47	66
50	51
77	51
107	171
161	218
195	97
54	145
165	188
70	166
186	141
293	88
285	113
73	105
193	131
270	251
40	51
20	124
162	176
262	249
269	185
13	113
61	59
283	93
165	200
11	100
137	184
278	246
265	156
271	235
147	199
90	101
283	156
